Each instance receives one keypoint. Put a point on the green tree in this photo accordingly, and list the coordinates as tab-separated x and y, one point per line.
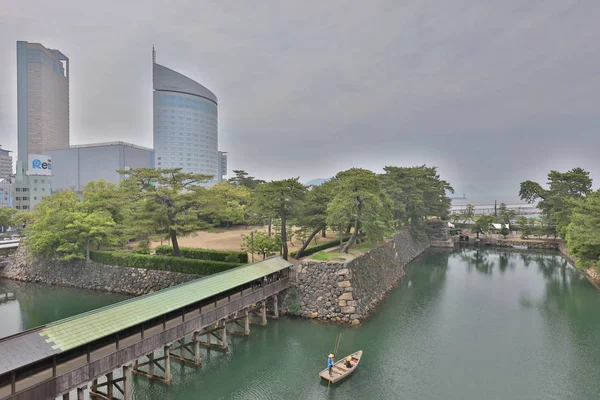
468	214
242	178
546	228
359	199
482	224
416	192
526	226
553	202
227	203
312	216
261	243
280	199
583	232
106	196
505	214
84	229
172	199
22	218
46	231
62	225
6	216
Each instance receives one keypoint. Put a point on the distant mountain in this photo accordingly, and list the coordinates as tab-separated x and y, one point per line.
317	182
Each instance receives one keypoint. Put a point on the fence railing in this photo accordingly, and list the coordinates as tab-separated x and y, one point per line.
77	377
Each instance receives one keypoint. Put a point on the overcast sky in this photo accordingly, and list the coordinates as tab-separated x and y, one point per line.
491	92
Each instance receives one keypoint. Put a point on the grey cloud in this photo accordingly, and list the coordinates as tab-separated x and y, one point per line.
492	92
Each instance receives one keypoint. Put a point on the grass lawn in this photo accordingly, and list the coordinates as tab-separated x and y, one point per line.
354	250
326	255
364	247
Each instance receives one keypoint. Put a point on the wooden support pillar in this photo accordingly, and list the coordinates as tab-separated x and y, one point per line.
66	396
247	323
109	385
196	349
127	382
80	393
167	364
275	306
151	363
94	387
224	336
219	332
263	312
232	324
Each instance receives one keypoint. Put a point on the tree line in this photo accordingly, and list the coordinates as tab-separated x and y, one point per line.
569	209
169	203
569	203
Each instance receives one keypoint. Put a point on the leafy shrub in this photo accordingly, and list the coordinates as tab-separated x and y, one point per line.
143	247
164	263
316	249
203	254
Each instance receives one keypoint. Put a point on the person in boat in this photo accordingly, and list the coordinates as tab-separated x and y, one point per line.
348	363
330	363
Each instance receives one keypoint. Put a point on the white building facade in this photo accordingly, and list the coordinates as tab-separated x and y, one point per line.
75	167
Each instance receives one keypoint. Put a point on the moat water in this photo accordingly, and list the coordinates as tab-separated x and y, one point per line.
471	324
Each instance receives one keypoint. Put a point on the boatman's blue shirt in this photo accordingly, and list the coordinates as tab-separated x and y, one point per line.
329	362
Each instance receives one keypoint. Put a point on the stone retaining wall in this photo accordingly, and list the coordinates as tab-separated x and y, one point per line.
348	292
590	273
530	244
93	276
437	231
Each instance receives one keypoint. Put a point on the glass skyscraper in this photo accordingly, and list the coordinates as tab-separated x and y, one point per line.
43	118
185	124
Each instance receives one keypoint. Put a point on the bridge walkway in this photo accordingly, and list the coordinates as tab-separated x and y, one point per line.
73	353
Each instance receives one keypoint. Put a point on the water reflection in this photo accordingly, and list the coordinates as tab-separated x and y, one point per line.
470	324
476	259
36	305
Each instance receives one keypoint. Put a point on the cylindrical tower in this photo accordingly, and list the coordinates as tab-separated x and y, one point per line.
185	124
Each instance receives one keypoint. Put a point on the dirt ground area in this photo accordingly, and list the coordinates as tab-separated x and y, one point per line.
231	239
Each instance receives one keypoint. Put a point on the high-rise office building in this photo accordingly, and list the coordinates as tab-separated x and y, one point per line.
43	116
185	124
6	167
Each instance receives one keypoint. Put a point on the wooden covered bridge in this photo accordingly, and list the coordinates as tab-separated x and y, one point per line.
101	349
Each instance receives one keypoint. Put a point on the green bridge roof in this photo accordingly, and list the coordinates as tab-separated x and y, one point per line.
84	328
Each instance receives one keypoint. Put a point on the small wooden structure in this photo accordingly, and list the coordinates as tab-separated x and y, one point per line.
339	370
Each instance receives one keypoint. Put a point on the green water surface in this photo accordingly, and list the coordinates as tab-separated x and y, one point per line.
472	324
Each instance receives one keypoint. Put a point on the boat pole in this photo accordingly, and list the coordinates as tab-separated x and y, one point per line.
335	349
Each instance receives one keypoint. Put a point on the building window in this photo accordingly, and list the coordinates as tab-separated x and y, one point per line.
35	181
43	181
35	198
25	198
18	207
35	189
18	198
25	207
43	189
18	189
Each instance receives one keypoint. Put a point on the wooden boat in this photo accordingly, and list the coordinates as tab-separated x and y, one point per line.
339	370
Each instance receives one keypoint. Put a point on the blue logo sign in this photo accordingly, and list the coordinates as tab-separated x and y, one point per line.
38	164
